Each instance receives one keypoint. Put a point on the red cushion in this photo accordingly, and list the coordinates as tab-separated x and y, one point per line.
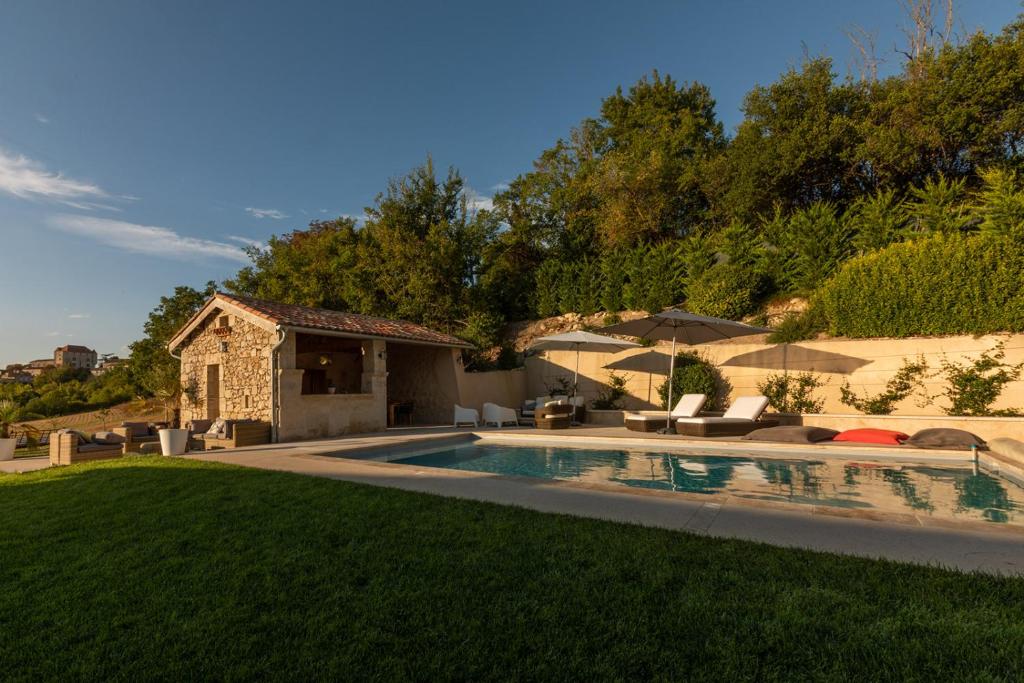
868	435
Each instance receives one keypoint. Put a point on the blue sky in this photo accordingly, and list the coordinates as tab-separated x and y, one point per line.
143	143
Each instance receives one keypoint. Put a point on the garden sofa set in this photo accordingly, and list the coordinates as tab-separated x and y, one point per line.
554	412
68	447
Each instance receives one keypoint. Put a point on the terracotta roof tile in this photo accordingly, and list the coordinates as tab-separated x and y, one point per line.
290	315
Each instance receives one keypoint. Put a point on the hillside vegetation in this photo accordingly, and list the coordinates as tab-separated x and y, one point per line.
827	186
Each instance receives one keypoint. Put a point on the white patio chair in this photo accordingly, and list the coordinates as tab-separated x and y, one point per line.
466	416
498	415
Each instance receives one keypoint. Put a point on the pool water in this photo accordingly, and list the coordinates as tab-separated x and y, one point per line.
890	487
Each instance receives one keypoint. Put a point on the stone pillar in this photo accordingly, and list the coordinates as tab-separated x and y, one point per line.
375	376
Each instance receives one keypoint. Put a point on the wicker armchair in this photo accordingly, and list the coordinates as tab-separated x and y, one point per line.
557	416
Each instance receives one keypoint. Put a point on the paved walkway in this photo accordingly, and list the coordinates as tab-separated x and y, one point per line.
24	464
999	550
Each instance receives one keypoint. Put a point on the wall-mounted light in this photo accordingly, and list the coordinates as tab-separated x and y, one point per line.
325	360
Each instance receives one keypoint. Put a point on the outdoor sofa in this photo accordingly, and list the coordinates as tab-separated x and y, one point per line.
742	418
68	447
228	433
136	434
688	406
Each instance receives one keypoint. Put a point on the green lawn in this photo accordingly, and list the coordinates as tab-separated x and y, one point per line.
160	568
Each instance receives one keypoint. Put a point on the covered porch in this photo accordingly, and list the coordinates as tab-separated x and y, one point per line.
332	384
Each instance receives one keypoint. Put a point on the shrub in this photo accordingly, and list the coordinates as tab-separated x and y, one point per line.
814	245
609	399
876	221
613	280
725	291
799	326
937	206
549	276
936	285
999	207
693	375
902	384
508	358
793	393
974	387
654	276
483	329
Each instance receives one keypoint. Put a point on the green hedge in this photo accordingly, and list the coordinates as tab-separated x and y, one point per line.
936	285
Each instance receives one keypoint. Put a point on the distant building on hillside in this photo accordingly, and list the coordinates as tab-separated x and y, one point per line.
107	362
36	367
72	356
15	372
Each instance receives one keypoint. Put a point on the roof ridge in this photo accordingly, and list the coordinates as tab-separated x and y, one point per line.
300	316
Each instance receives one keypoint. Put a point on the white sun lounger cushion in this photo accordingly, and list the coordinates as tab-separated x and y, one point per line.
743	409
688	406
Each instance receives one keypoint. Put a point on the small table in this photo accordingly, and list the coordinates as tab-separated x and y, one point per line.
398	408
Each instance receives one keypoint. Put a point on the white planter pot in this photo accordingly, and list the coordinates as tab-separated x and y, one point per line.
7	449
173	441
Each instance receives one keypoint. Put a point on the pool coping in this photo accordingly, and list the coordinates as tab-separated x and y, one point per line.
406	448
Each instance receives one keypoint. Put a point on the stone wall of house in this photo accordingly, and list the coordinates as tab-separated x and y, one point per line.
244	369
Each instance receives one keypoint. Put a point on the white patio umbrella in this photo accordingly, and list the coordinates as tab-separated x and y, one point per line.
581	341
687	328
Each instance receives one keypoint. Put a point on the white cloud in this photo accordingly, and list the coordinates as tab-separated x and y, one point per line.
247	241
79	316
499	187
28	179
477	201
150	240
42	119
52	334
265	213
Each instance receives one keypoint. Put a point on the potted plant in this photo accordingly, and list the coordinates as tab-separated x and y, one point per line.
7	443
331	389
166	386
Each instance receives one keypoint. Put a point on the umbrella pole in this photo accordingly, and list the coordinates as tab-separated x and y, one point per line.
576	378
671	372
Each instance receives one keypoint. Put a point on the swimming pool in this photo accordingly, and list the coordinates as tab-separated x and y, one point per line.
921	489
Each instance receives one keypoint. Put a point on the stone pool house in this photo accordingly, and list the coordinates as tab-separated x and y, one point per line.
313	372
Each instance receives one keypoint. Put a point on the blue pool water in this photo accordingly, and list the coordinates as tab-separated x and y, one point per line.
889	487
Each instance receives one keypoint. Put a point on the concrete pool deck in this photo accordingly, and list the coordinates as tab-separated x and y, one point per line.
907	538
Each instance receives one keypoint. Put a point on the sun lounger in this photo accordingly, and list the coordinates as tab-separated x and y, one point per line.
499	416
688	406
741	418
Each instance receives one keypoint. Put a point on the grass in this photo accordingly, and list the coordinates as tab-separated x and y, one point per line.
170	569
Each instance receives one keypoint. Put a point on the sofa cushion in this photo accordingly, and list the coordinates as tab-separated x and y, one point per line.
950	439
136	429
868	435
199	426
217	427
109	438
95	447
82	438
791	434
